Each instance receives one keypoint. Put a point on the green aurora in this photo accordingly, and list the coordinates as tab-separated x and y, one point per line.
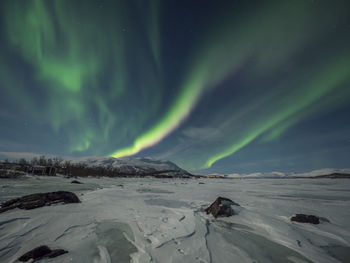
109	83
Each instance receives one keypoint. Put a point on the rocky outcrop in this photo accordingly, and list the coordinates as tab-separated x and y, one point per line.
40	253
302	218
39	200
221	207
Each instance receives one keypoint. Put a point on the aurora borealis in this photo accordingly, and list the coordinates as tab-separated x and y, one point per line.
218	85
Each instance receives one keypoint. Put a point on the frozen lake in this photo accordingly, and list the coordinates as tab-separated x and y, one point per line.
161	220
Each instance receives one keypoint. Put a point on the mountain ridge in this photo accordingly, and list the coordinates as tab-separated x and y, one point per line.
132	166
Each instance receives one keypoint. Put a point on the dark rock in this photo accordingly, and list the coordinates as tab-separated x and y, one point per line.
35	253
40	253
301	218
201	183
75	182
221	207
39	200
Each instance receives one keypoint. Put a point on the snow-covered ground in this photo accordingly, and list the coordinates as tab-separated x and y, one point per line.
161	220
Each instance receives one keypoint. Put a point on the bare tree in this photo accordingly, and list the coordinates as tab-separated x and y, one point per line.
42	160
34	161
57	160
67	164
22	161
49	162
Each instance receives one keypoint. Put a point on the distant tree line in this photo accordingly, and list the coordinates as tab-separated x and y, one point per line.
67	168
42	161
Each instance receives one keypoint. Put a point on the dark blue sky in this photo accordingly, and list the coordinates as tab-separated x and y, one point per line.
228	86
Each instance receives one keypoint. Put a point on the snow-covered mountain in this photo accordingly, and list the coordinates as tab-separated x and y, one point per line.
314	173
133	166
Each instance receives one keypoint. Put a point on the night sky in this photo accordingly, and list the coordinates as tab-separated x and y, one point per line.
215	86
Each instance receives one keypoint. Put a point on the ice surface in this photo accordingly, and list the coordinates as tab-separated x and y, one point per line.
153	220
114	238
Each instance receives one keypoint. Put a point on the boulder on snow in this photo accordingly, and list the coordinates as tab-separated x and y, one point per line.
40	253
302	218
39	200
221	207
76	182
